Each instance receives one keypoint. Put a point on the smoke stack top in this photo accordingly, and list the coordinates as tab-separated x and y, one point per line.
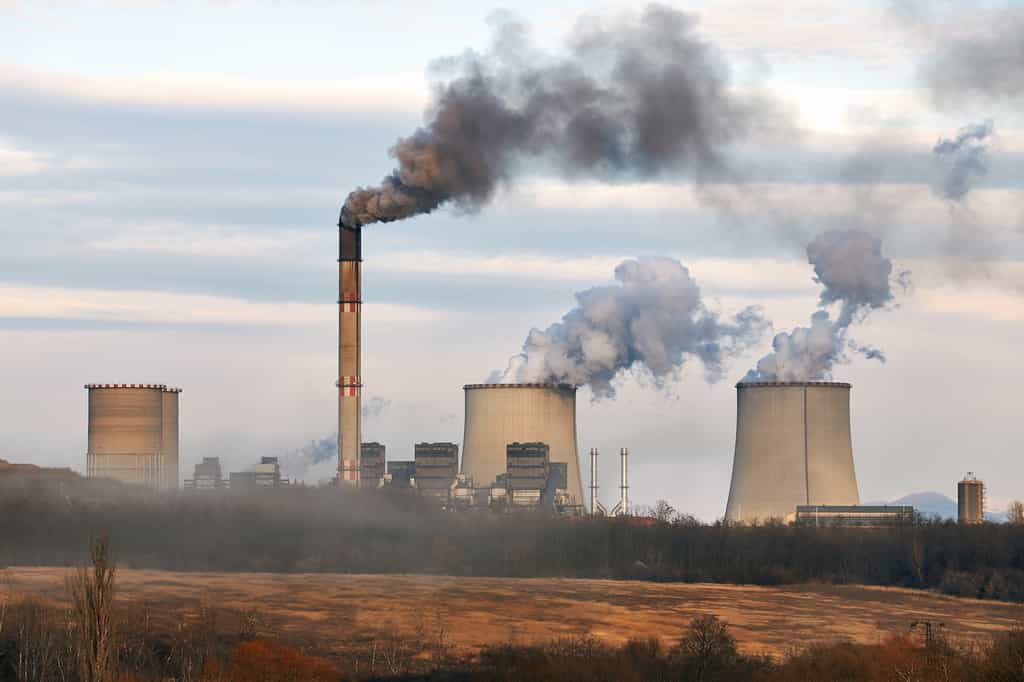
630	97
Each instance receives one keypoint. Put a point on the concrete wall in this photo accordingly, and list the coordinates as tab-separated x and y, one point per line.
793	447
499	414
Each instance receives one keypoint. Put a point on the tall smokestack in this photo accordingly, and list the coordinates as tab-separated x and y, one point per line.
350	302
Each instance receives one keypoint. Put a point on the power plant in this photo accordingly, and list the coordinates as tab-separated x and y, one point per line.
793	448
499	414
350	303
133	434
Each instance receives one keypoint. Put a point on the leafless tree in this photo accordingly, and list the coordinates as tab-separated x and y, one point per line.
92	598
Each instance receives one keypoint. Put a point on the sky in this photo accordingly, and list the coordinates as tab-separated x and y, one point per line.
171	176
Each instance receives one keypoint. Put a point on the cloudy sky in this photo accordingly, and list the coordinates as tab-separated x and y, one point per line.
171	175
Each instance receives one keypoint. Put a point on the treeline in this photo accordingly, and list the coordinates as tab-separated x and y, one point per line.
328	530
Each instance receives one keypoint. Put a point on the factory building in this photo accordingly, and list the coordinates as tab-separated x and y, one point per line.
401	473
436	466
970	500
499	414
793	447
206	475
133	434
372	458
526	473
849	516
266	474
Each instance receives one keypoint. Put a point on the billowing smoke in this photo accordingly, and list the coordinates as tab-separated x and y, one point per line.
375	407
297	463
635	96
652	321
963	159
856	276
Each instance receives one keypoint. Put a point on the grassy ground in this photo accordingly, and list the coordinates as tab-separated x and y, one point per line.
470	613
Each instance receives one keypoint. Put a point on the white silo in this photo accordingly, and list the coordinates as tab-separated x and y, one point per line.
499	414
793	447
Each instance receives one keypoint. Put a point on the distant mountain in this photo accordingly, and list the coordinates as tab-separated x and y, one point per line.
937	505
931	504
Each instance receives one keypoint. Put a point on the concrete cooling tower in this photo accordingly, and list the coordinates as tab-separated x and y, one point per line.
793	447
133	434
499	414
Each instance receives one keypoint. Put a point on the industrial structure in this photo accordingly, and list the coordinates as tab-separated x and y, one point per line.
266	474
970	500
436	466
206	475
350	302
526	472
401	473
499	414
621	508
793	447
133	434
869	516
372	458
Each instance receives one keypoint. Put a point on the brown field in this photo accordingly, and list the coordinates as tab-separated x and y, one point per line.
474	612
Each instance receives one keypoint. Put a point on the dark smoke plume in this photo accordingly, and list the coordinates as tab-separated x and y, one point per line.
652	321
856	276
963	158
635	97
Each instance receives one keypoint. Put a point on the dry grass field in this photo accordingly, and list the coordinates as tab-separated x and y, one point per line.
473	612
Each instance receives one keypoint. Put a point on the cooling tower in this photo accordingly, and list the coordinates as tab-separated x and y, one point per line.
793	448
169	437
499	414
133	433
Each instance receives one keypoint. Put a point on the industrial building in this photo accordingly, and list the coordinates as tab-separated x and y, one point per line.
436	465
372	458
401	473
266	474
206	475
133	434
793	447
499	414
526	472
849	516
970	500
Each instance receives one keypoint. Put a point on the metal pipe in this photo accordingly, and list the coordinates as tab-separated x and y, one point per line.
593	481
350	303
624	486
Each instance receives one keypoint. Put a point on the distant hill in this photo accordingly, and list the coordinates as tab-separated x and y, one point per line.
14	469
939	506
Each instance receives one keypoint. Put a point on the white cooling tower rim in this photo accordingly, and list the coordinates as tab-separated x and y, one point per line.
162	387
564	387
773	384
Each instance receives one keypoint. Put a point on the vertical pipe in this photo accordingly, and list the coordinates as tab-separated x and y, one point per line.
593	481
350	302
624	487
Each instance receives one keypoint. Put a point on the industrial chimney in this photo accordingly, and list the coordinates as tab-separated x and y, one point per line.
499	414
349	383
793	447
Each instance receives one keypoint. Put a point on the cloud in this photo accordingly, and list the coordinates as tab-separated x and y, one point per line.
26	302
201	92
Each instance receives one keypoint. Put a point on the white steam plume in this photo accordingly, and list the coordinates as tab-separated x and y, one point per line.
652	321
856	276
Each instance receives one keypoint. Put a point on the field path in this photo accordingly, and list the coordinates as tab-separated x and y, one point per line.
478	611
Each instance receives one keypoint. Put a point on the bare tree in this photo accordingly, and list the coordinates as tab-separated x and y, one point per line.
92	599
1015	512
